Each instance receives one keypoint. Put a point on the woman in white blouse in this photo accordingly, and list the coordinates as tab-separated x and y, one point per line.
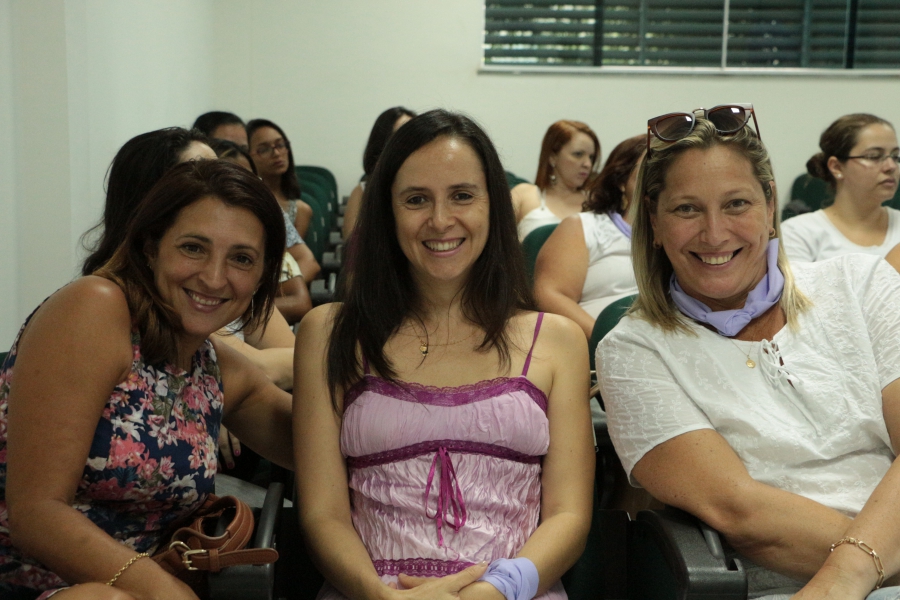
859	161
585	264
760	399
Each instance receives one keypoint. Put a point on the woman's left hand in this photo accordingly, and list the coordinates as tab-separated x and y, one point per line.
477	590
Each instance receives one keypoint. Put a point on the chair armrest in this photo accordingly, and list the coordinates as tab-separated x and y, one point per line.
321	291
252	582
672	554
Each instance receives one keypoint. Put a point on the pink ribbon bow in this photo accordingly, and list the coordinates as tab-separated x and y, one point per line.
450	498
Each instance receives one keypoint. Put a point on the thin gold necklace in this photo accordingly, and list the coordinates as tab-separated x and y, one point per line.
424	346
751	364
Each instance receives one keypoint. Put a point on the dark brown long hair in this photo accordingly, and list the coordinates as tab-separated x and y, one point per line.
378	289
290	185
184	184
136	168
605	195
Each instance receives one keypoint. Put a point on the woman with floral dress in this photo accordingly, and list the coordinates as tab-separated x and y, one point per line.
112	395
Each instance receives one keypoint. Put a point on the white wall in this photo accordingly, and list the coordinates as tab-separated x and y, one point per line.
324	70
80	77
9	272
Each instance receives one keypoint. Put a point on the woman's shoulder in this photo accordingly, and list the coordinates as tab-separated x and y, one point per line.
556	330
318	323
91	296
526	196
814	220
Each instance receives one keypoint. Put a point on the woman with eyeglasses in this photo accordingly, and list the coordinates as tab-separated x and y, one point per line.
859	160
761	398
570	156
273	158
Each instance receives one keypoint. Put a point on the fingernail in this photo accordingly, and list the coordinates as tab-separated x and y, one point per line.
237	452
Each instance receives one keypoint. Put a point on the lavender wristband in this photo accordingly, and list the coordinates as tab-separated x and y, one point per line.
516	578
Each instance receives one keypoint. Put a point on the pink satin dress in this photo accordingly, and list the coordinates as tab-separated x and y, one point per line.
443	478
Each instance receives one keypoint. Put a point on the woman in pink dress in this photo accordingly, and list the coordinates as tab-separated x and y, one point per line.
443	438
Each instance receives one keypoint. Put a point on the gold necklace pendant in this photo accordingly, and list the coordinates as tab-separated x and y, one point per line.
751	364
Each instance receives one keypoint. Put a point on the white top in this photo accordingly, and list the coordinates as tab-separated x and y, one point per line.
610	275
812	237
536	218
812	425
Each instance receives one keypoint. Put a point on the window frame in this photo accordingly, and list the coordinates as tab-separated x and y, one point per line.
590	70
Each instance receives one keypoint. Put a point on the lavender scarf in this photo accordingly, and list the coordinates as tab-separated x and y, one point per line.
764	296
619	222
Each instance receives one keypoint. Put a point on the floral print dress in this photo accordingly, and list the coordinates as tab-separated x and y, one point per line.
152	460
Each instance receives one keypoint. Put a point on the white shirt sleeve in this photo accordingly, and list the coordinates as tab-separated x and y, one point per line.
644	403
879	288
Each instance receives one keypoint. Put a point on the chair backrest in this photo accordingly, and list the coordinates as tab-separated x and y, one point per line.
513	180
606	320
531	245
810	193
317	232
309	172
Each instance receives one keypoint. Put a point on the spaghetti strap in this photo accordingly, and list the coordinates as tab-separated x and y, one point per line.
537	329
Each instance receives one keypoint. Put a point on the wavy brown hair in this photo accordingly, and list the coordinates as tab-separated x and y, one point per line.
156	321
605	195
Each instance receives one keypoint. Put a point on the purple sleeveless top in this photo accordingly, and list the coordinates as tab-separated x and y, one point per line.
443	478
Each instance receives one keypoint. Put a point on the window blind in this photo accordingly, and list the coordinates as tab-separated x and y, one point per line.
836	34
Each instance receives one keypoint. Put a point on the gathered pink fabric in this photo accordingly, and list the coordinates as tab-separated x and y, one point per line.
443	478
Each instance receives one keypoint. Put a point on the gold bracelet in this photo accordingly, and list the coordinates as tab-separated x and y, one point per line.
868	550
124	568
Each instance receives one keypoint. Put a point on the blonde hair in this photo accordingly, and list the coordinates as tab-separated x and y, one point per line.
652	268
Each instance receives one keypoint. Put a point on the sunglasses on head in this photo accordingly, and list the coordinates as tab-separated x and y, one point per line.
726	118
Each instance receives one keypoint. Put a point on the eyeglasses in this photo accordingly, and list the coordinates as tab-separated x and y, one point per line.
267	149
727	119
877	158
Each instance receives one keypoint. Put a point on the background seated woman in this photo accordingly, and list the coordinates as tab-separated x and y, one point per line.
585	264
112	396
570	154
859	160
440	422
385	125
760	399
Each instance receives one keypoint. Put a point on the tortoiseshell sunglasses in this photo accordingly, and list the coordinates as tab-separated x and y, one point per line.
727	118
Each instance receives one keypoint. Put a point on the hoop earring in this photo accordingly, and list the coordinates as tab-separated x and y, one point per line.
251	305
772	233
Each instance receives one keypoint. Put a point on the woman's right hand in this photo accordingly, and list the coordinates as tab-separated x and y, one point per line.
439	588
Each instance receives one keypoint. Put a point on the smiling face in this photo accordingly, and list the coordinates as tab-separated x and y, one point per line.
713	221
868	180
441	210
207	267
573	163
269	151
